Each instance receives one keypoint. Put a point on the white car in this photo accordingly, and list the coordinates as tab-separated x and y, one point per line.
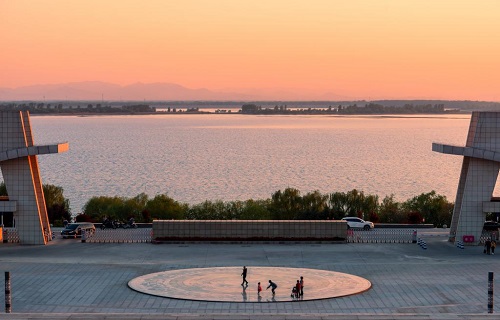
357	223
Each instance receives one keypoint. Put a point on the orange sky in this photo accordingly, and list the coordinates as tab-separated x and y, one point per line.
358	49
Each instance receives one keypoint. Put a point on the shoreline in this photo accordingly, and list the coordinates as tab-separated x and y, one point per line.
357	115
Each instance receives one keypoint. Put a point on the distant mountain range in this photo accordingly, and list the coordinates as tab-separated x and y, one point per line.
95	90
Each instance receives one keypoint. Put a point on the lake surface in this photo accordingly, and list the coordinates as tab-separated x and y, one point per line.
193	158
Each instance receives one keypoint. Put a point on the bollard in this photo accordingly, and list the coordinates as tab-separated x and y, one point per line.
8	299
490	292
84	236
414	237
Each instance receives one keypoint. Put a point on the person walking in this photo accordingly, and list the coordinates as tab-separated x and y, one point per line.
259	289
493	246
301	285
273	287
487	246
244	275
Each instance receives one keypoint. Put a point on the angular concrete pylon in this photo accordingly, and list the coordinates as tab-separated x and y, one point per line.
478	177
19	165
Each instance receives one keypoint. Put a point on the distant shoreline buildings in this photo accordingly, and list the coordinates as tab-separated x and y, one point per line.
115	108
370	108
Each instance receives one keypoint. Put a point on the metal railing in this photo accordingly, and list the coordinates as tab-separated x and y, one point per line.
140	235
493	235
10	235
381	236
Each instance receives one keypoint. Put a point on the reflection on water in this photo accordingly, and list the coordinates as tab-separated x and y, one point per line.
237	157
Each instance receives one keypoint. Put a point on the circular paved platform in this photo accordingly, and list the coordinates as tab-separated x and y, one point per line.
224	284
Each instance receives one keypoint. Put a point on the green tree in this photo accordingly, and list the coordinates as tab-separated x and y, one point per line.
369	207
238	210
3	189
314	206
255	210
134	208
199	211
211	210
434	209
285	205
164	207
349	204
233	210
98	208
389	211
338	206
57	205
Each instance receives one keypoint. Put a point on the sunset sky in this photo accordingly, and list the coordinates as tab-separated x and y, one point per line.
373	49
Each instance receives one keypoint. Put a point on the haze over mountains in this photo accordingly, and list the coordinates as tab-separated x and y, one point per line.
95	90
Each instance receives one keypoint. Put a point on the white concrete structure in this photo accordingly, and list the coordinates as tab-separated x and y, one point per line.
21	174
478	177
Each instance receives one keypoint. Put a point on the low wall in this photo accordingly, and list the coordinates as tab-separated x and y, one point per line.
249	230
402	226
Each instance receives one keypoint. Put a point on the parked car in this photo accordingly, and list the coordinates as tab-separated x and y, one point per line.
357	223
491	225
74	230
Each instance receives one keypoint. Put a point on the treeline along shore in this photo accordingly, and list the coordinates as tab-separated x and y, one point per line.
235	107
289	204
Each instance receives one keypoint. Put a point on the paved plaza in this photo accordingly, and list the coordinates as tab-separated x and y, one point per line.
68	279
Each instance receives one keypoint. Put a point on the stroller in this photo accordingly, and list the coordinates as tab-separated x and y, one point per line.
294	294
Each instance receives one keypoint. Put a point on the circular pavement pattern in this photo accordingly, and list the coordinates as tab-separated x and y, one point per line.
224	284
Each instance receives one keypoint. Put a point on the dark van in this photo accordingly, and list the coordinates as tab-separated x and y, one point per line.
74	230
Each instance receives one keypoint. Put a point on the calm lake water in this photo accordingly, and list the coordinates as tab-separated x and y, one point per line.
193	158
